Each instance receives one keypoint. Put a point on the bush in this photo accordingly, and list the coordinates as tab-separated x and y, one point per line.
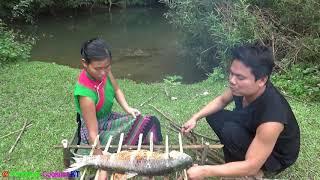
28	10
13	47
211	28
301	80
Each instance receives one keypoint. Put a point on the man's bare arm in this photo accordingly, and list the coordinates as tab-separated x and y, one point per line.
257	154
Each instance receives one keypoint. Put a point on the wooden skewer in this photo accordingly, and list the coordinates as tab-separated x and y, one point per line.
140	141
151	141
120	142
167	147
151	150
119	149
91	153
104	151
181	150
186	146
167	154
180	143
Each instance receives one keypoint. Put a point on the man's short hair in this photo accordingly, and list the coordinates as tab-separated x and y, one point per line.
258	58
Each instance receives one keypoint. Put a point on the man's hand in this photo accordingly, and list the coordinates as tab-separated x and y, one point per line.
195	172
132	111
189	125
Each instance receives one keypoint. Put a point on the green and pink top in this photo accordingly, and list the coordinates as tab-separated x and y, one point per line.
101	93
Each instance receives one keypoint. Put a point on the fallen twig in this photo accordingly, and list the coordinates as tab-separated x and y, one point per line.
148	100
29	125
177	126
15	143
165	90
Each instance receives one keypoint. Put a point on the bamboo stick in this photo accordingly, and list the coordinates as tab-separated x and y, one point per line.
167	147
216	157
128	147
151	150
167	153
204	153
140	141
179	127
91	153
19	136
181	150
120	142
151	141
29	125
198	151
105	151
119	149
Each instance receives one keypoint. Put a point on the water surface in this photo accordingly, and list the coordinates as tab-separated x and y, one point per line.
143	44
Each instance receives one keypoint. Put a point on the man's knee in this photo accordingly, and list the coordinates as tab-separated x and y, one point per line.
236	140
217	120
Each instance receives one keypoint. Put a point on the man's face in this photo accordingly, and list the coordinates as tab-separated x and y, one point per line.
241	80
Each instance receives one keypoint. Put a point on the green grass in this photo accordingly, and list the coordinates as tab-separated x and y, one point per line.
42	93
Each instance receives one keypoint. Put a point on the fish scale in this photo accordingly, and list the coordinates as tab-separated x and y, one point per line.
141	162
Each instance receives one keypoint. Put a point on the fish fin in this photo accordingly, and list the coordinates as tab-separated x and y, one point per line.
77	161
71	169
131	175
78	164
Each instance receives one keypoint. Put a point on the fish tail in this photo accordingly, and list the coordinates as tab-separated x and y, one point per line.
80	162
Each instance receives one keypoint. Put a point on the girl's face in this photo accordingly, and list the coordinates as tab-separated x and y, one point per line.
98	68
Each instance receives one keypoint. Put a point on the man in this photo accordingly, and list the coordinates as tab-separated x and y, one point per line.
261	134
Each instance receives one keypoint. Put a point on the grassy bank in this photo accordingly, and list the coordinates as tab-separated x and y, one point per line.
42	93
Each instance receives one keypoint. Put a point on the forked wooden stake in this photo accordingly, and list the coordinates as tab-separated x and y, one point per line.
167	147
119	149
91	152
167	154
151	150
120	142
181	150
104	151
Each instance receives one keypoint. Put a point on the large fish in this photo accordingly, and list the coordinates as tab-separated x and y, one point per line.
142	162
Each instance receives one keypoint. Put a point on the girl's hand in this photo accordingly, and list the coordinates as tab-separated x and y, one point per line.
134	112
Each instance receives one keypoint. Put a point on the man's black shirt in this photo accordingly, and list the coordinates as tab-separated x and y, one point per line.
271	106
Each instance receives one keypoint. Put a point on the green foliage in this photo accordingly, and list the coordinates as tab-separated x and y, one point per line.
28	10
13	47
211	28
172	80
298	15
218	75
302	81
